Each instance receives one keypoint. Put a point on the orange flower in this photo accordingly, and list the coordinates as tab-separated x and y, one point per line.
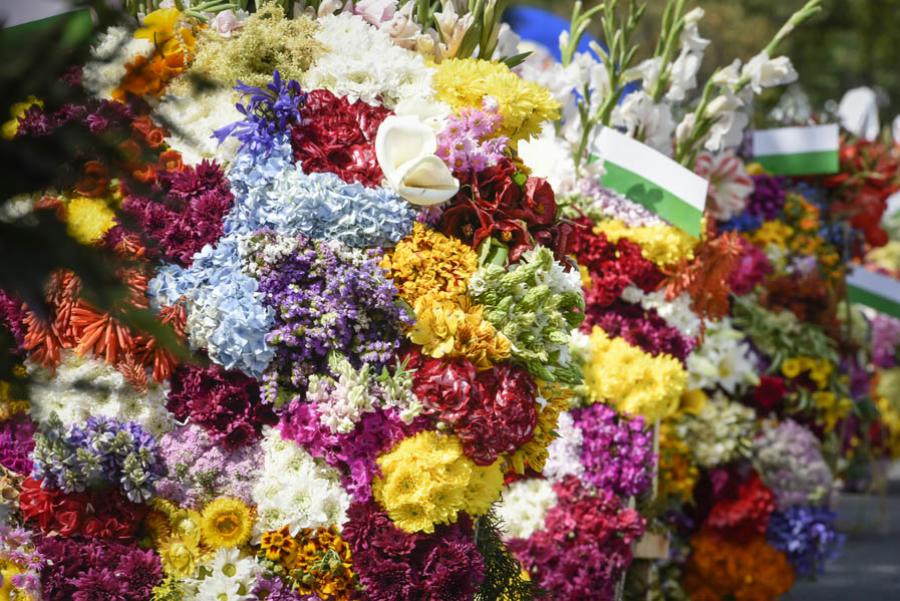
95	182
170	160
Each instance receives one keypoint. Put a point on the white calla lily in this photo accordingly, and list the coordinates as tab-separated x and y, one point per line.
405	148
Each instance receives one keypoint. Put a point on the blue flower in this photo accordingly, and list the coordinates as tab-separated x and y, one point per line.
807	535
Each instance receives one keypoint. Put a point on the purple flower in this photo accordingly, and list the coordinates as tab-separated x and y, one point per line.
617	452
807	535
768	196
12	316
641	328
16	444
885	341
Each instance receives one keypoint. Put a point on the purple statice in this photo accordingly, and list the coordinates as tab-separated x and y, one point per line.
789	459
94	569
186	214
467	143
394	565
196	470
267	113
610	203
768	196
640	327
353	454
885	341
808	536
617	452
17	443
327	299
12	317
76	458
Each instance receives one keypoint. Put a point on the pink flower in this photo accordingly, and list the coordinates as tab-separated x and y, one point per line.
225	22
729	184
375	12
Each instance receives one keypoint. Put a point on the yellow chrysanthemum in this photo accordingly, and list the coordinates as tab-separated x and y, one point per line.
524	105
632	380
427	480
832	409
533	454
11	127
790	368
677	472
662	244
226	522
772	233
89	218
428	262
448	328
9	404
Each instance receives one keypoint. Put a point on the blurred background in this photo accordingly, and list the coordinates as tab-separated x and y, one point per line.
852	43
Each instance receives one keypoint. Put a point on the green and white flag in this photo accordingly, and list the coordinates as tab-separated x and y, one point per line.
652	180
798	150
874	290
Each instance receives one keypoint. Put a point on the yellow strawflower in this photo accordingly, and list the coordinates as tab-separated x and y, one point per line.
89	219
428	262
457	328
662	244
226	522
427	480
631	380
524	105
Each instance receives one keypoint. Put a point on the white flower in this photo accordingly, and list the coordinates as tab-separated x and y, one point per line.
683	76
115	47
676	312
565	451
225	22
375	12
729	184
83	386
405	148
724	359
228	577
638	113
550	157
720	433
402	28
690	36
765	72
452	28
194	119
296	489
524	505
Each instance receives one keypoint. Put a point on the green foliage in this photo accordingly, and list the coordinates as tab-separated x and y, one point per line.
502	572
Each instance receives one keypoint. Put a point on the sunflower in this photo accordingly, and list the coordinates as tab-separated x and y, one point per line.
226	522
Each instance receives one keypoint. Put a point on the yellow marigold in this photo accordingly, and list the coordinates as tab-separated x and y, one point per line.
427	480
279	545
774	233
11	127
324	565
226	522
89	218
631	380
428	262
662	244
524	105
533	454
448	328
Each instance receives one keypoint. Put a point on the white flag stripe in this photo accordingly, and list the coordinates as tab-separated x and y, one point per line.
796	140
874	283
642	160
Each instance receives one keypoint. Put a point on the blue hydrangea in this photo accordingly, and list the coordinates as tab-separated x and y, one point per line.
271	192
226	315
807	535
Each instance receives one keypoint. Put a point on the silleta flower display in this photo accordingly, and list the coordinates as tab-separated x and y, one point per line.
417	346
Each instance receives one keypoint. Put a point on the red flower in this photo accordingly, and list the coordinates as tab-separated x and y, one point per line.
745	514
770	393
491	412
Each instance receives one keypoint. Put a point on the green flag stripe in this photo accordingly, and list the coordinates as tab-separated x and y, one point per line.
75	26
653	197
804	163
880	303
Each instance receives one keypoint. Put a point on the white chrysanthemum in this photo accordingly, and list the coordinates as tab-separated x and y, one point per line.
363	63
721	432
192	121
83	386
228	577
524	505
565	451
676	312
296	489
115	48
550	157
724	359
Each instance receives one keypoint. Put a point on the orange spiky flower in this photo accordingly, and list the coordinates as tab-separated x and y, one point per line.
707	277
162	360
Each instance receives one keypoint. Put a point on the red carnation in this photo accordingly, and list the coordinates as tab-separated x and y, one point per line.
770	393
747	513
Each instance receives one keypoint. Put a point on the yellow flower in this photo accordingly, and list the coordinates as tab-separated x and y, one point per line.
524	105
755	169
11	127
179	556
662	244
429	263
693	401
791	367
279	545
160	28
448	328
677	472
632	380
89	219
774	233
226	522
533	454
427	480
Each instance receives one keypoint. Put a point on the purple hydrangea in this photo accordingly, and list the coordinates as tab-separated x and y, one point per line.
617	452
808	536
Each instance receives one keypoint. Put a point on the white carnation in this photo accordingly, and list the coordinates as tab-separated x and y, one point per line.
192	121
565	451
524	505
115	48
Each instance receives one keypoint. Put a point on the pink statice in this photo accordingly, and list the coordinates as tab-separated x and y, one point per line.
198	470
467	144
